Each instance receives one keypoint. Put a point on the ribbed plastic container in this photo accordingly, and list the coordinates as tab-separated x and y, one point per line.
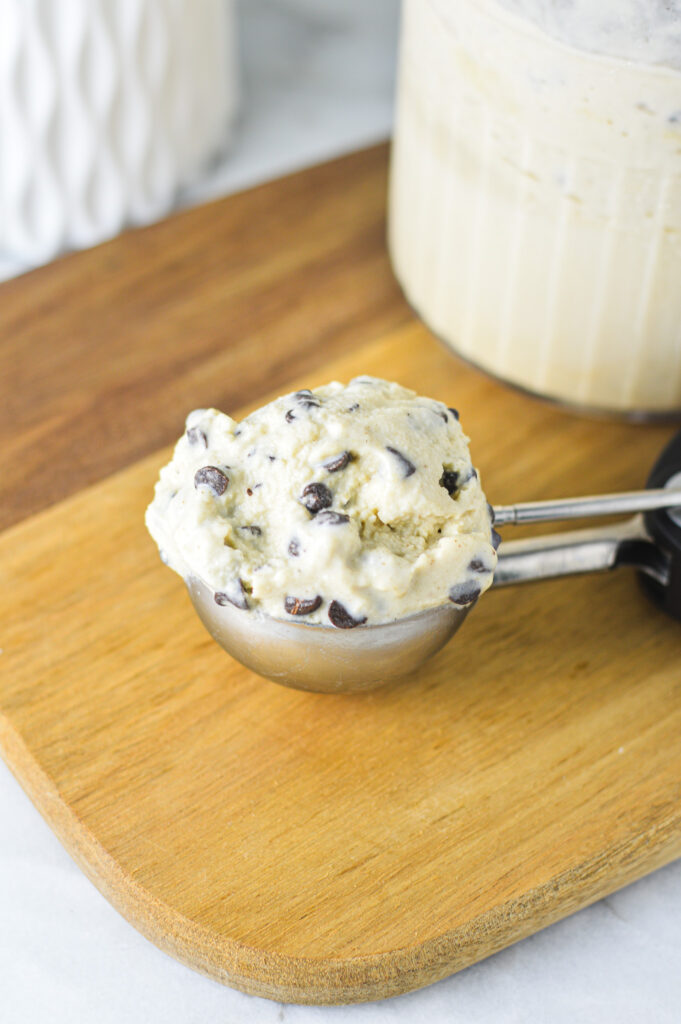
535	206
107	108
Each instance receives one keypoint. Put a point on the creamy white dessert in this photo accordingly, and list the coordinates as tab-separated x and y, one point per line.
345	505
535	212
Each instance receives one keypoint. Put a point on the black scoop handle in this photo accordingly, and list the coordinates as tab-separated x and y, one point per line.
666	533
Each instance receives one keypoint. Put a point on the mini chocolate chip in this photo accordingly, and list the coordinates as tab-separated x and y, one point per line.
491	513
290	416
471	475
407	467
272	458
294	548
477	565
236	432
213	478
445	417
338	462
464	593
454	412
301	605
450	481
307	399
341	617
249	492
496	539
255	530
197	436
315	497
353	408
238	598
332	518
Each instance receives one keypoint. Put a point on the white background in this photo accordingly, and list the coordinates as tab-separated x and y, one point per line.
317	81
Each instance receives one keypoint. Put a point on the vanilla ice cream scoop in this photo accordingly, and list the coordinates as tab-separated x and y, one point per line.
346	505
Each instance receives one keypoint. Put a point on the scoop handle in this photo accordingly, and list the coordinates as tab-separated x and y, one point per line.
586	508
650	542
580	551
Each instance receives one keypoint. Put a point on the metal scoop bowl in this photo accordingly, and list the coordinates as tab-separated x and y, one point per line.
309	656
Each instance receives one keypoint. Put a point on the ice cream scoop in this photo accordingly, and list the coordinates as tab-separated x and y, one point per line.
312	656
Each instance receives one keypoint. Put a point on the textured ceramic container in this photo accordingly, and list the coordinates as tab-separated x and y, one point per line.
107	108
535	206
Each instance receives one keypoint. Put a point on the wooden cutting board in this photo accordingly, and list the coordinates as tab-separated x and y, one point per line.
304	847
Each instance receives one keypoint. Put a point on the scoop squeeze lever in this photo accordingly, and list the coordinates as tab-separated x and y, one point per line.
664	528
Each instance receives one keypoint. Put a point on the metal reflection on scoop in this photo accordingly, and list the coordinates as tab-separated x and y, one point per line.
309	656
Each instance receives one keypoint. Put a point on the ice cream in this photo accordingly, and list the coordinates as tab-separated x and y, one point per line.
535	214
344	505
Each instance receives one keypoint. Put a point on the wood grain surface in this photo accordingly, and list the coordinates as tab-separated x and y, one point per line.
102	352
305	847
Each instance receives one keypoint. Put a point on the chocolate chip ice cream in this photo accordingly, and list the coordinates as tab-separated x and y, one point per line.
346	505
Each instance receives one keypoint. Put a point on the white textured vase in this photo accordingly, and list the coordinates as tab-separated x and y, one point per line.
107	108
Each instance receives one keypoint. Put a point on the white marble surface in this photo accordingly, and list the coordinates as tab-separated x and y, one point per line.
317	81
